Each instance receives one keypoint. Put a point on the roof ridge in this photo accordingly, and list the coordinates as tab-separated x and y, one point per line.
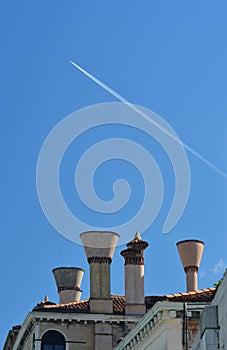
193	292
73	302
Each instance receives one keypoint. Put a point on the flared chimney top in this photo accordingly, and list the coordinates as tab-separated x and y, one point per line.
191	251
99	243
68	280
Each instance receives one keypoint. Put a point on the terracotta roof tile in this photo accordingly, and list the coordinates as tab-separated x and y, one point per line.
198	295
204	295
76	306
118	304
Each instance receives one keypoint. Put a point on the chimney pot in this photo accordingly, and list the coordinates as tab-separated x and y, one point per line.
68	280
99	247
134	275
190	252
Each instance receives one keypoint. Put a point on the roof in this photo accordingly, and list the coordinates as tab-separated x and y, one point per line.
203	295
11	337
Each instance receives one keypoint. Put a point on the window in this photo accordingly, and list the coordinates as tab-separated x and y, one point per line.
53	340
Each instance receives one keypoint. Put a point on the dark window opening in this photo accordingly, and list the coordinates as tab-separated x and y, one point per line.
53	340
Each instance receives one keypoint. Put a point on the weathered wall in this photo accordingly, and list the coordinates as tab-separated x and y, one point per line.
78	336
212	333
220	300
166	336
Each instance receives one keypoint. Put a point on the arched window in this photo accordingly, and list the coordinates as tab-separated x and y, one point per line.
53	340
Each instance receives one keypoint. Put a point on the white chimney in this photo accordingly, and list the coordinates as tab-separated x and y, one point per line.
99	247
191	252
68	280
134	276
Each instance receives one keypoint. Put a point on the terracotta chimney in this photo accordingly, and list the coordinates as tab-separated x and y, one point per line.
190	252
99	247
134	276
68	280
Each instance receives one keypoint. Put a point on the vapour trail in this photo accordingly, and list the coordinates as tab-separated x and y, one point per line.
134	108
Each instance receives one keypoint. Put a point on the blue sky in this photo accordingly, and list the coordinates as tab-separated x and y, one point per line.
169	57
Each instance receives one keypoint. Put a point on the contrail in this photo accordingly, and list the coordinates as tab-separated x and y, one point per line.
134	108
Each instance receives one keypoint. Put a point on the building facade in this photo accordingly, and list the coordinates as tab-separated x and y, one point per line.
105	321
213	323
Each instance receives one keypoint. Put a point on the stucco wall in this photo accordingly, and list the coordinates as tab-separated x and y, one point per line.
166	336
220	300
212	333
77	336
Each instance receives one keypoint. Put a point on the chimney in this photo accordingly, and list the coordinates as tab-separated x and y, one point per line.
134	276
190	252
68	280
99	247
